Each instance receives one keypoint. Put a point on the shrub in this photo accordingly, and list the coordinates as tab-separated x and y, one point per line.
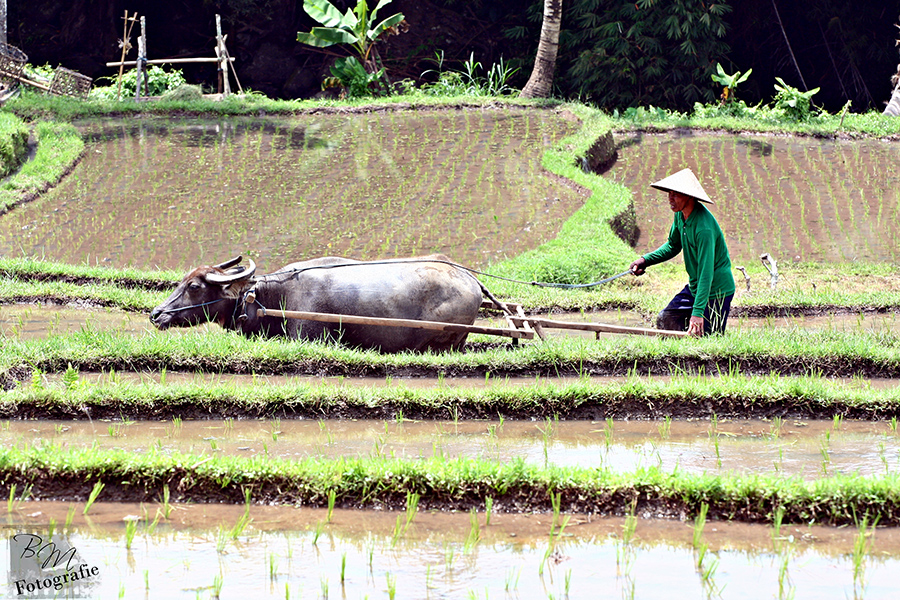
159	82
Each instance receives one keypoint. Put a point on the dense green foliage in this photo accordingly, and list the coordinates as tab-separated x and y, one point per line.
155	81
619	54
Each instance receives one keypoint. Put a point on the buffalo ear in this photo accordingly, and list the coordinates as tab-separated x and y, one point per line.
229	263
234	275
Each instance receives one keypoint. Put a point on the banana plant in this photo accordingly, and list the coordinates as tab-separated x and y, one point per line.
358	27
729	81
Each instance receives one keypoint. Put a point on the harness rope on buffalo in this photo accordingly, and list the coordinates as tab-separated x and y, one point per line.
521	326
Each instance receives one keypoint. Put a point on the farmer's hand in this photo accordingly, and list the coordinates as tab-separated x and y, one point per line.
695	327
637	267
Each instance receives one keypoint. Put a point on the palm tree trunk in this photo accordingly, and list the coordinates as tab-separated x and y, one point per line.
540	83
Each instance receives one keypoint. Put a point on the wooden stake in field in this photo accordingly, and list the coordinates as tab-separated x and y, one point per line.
142	58
222	55
126	46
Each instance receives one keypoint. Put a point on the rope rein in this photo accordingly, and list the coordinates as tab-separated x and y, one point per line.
292	272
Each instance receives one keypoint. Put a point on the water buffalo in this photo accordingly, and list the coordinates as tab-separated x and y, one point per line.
424	289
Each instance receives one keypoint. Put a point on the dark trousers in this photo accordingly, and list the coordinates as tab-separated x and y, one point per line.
677	315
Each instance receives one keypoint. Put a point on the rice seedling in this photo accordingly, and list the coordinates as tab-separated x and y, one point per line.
391	585
320	527
488	509
152	526
474	535
166	505
273	567
777	427
221	539
70	517
665	428
92	497
699	524
412	506
218	582
130	531
449	555
861	548
13	502
608	433
332	496
343	567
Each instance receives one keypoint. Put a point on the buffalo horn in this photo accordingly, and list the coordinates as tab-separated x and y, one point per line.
226	278
229	263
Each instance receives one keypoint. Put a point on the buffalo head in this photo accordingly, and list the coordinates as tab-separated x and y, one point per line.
205	294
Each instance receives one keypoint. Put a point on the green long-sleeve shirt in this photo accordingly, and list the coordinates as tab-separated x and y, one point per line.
706	257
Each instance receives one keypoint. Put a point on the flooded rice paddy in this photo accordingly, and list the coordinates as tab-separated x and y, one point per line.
172	195
792	197
202	551
807	448
469	184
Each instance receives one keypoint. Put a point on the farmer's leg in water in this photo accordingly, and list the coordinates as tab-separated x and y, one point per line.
677	315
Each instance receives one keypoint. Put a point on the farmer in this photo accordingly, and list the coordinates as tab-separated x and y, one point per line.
703	305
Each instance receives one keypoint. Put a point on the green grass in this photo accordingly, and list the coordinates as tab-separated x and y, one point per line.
32	106
458	483
13	142
792	351
59	148
723	396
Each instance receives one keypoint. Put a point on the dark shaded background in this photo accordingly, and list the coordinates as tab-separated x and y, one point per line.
846	48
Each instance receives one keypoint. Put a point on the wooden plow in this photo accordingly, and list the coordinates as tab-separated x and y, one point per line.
521	326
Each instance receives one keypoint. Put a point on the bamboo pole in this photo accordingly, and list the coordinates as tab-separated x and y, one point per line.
389	322
126	45
165	61
142	57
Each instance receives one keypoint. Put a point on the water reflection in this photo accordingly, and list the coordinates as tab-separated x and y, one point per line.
298	552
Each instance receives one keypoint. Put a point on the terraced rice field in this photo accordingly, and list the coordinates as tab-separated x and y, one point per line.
795	198
168	195
396	508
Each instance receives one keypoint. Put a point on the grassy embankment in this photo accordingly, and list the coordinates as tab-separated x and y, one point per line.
726	396
50	471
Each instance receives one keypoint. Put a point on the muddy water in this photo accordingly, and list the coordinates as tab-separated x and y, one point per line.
817	200
166	194
807	449
299	553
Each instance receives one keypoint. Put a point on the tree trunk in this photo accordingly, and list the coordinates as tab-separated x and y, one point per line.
541	81
3	21
893	107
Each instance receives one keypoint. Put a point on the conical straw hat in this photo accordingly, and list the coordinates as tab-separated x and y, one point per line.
683	181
